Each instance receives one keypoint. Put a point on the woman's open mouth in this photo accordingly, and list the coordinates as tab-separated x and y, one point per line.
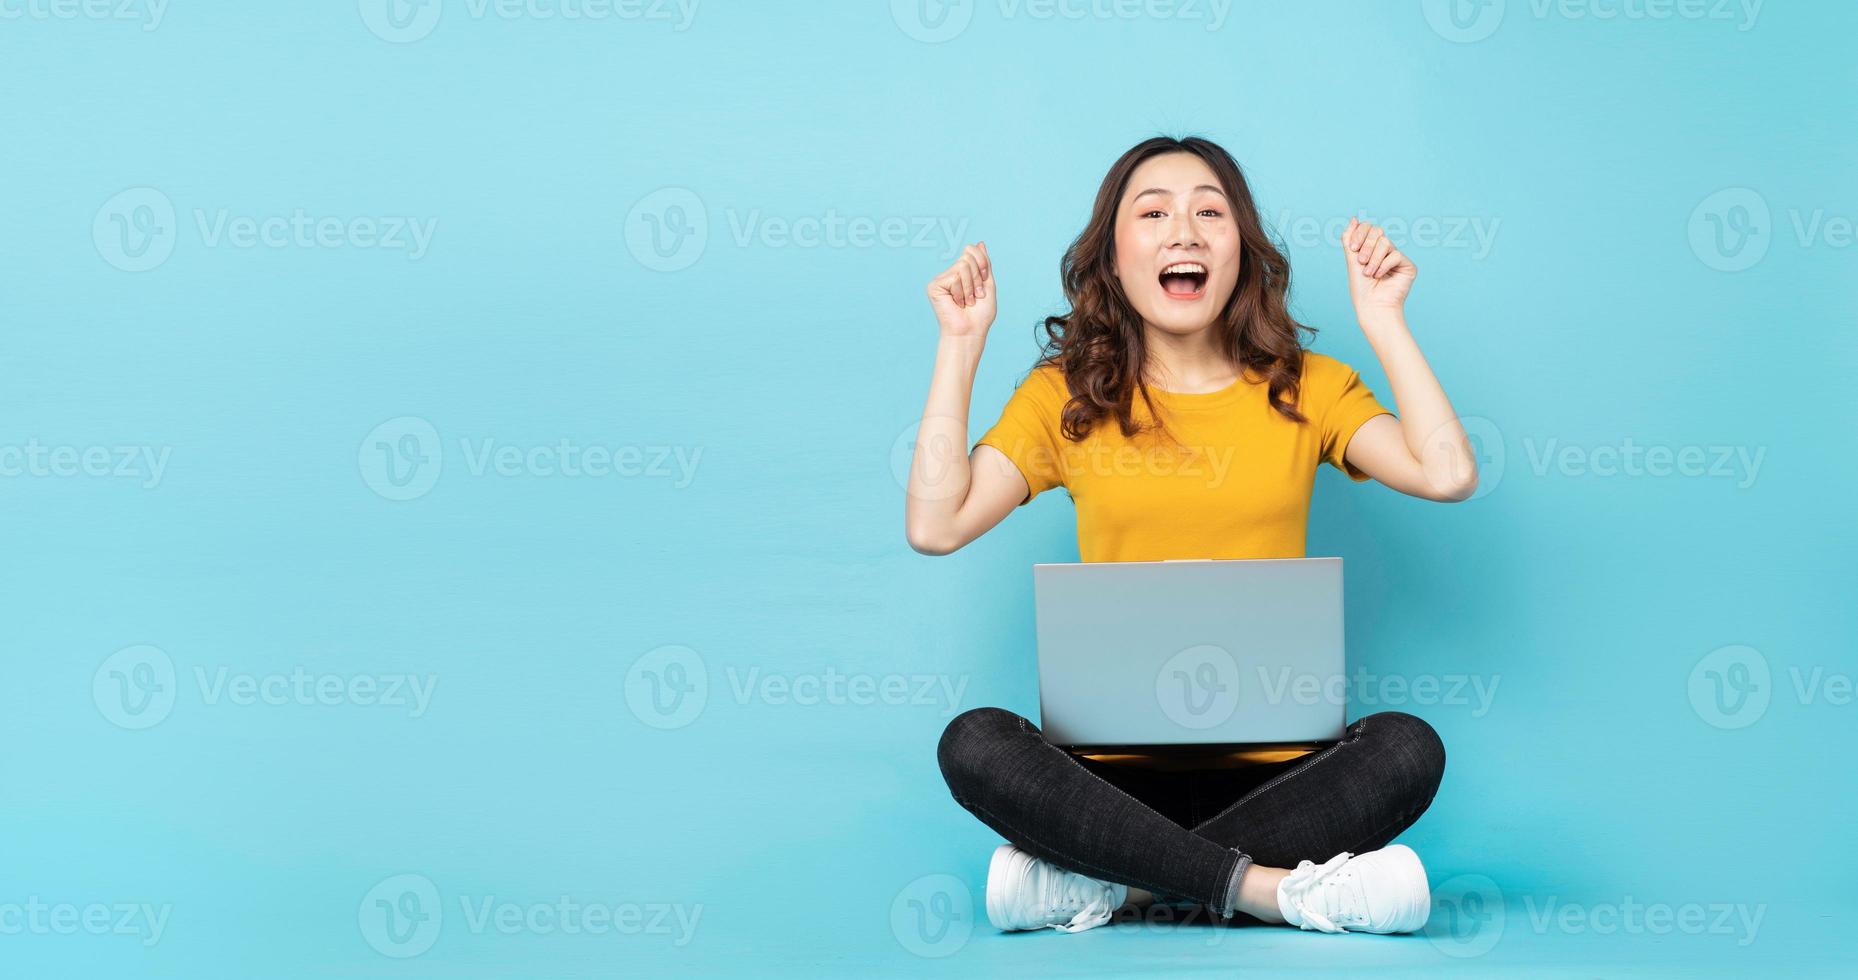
1184	280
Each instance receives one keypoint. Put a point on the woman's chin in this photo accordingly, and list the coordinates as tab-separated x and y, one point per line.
1182	318
1180	323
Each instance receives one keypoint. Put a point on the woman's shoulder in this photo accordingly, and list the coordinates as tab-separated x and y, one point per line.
1045	380
1324	373
1319	365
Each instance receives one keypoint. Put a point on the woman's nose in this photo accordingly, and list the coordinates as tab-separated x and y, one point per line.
1184	233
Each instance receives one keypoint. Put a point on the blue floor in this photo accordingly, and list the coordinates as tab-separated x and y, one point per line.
1524	941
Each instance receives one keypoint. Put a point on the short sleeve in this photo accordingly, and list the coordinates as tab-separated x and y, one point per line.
1028	431
1342	402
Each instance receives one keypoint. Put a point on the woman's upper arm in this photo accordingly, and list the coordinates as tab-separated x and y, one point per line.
1378	449
995	487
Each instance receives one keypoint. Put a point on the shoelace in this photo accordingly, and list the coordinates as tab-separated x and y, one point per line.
1089	896
1310	877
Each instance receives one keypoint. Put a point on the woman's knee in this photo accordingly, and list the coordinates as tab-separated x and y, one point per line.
1410	746
968	742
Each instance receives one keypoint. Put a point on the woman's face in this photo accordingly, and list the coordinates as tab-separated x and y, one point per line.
1177	243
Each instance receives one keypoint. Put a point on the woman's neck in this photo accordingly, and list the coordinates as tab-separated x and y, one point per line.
1187	363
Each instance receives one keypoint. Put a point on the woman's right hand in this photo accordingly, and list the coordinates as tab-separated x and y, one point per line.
963	295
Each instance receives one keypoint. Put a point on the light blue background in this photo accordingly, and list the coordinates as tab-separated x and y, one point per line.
1590	146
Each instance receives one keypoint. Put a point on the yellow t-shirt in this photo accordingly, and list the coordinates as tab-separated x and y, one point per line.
1237	485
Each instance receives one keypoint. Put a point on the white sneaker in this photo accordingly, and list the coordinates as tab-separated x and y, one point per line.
1380	891
1024	892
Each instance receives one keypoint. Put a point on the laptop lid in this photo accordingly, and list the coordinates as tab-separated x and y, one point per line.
1191	652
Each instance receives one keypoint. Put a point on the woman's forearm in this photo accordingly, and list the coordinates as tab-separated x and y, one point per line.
1430	427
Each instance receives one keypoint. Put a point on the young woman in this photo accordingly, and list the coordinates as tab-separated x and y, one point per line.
1177	405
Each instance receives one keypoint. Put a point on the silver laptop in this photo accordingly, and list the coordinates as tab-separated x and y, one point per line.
1193	652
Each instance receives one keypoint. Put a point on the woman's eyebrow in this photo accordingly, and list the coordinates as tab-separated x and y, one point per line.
1163	190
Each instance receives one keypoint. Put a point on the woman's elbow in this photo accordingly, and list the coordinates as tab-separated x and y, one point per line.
931	541
1455	489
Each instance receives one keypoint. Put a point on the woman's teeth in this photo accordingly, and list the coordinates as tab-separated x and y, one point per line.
1184	280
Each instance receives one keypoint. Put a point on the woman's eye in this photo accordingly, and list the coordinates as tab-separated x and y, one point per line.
1210	212
1150	214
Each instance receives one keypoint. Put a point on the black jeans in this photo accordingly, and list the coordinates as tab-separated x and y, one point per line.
1184	835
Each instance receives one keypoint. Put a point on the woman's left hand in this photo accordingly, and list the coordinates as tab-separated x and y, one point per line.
1379	275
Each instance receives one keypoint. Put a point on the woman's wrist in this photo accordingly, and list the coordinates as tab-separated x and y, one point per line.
1381	320
960	350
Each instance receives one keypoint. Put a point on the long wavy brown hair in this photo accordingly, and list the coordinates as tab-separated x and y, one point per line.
1099	344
